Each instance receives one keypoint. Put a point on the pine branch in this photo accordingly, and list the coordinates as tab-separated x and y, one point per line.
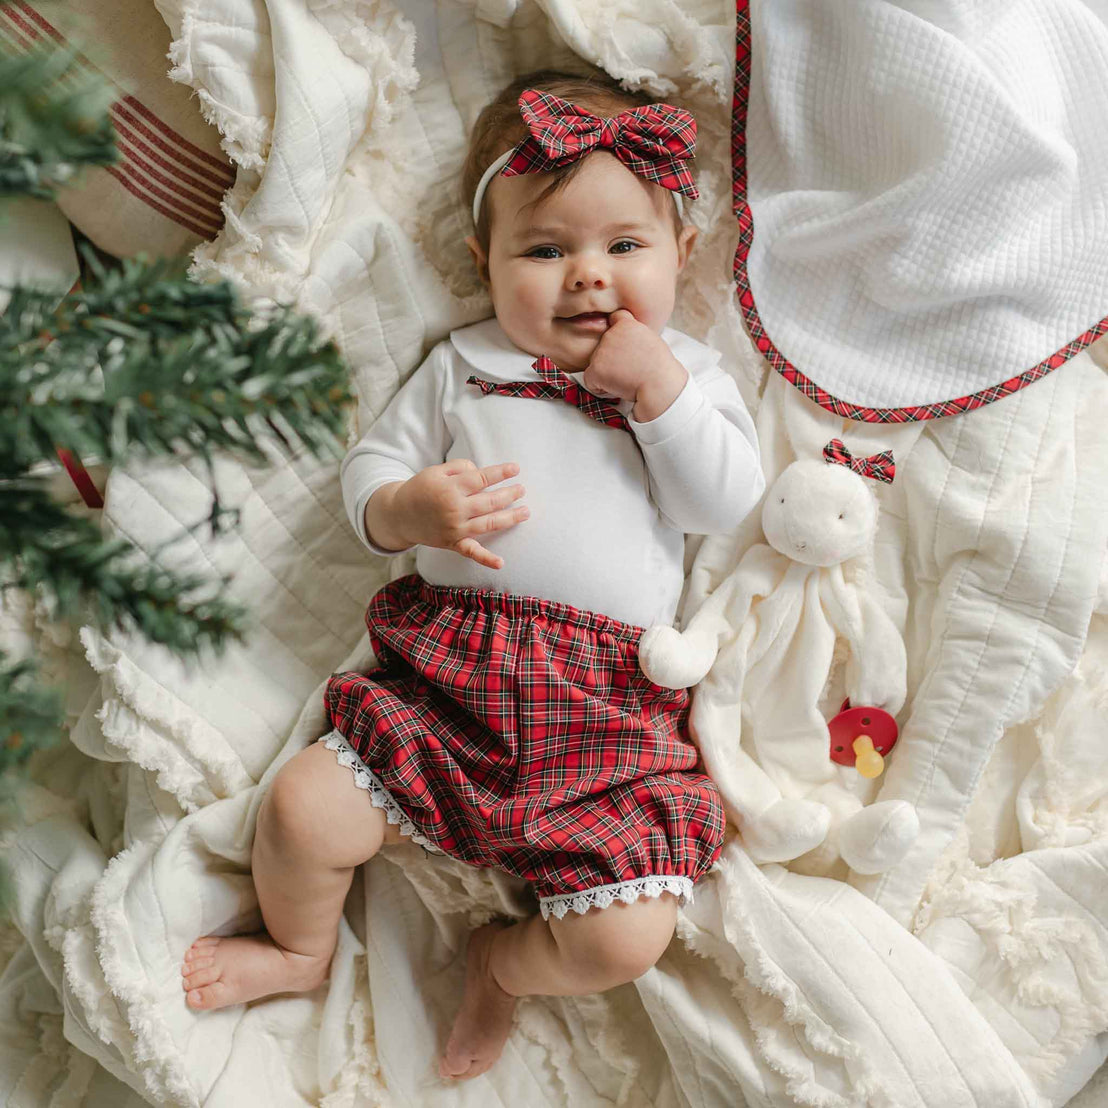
81	575
53	120
30	715
30	720
146	363
141	364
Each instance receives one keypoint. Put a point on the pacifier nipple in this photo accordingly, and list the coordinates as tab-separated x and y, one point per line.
867	761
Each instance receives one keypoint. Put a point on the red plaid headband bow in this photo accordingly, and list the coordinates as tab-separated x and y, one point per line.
878	467
653	141
556	385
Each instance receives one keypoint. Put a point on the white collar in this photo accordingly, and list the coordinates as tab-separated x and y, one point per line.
485	346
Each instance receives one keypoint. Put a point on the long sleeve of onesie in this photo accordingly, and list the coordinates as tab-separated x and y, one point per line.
702	456
410	435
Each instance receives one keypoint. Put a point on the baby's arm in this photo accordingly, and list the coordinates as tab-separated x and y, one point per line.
702	456
400	491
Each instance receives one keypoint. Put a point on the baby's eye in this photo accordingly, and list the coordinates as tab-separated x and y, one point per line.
624	246
544	252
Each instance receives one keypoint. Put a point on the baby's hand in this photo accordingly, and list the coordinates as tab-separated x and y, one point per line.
633	362
447	505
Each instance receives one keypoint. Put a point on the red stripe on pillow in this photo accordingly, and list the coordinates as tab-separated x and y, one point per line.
129	141
119	111
199	218
222	179
168	213
20	26
205	205
35	17
225	173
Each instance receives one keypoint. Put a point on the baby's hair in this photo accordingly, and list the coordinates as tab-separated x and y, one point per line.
500	127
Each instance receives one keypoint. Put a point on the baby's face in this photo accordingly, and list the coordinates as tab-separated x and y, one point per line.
557	271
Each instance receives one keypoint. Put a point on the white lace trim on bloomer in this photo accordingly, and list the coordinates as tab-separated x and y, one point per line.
602	896
379	796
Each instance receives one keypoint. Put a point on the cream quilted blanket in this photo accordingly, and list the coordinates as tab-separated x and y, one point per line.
974	975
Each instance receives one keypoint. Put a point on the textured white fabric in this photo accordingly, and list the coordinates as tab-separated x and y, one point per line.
929	185
608	508
972	976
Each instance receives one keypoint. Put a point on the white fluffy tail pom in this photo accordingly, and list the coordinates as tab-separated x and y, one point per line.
675	660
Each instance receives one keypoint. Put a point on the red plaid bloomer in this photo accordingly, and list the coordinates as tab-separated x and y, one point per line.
520	733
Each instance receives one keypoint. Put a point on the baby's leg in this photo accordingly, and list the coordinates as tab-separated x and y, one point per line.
314	826
573	956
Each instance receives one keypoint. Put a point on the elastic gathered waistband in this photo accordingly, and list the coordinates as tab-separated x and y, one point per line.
522	607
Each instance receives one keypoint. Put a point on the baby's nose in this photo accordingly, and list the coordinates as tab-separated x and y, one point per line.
589	274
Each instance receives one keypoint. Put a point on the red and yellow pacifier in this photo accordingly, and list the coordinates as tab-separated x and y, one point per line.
861	737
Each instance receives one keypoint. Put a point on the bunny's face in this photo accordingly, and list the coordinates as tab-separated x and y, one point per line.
819	514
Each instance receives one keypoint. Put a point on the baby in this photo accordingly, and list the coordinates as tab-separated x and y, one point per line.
508	723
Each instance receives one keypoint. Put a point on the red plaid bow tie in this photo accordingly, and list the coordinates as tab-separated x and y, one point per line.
879	467
653	141
558	385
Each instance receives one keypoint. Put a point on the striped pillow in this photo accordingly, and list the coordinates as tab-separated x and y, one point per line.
163	196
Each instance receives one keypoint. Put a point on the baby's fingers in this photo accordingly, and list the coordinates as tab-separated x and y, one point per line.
469	547
473	479
482	503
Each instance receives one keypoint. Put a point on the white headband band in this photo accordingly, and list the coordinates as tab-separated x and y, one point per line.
486	177
501	162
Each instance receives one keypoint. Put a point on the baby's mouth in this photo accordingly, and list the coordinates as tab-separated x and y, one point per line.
590	321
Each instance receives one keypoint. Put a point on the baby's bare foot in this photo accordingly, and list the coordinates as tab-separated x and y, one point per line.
485	1016
221	971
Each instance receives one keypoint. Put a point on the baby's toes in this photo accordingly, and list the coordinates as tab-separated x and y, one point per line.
453	1063
200	962
202	975
204	947
209	996
474	1069
459	1062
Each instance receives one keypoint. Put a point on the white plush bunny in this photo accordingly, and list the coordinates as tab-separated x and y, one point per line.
789	601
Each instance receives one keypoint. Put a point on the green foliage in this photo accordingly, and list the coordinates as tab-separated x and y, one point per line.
53	120
80	575
141	364
29	711
146	363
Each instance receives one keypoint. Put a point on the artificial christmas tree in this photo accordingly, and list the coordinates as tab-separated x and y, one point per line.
138	363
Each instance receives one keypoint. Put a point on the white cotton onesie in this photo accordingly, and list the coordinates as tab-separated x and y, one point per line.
609	510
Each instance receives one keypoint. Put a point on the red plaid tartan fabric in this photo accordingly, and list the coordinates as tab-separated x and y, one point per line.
878	467
556	385
520	733
653	141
